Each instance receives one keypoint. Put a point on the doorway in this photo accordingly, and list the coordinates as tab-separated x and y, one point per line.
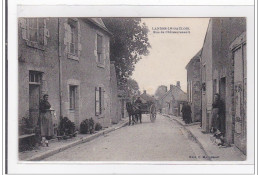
34	96
222	93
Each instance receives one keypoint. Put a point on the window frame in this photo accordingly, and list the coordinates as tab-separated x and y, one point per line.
39	42
72	98
98	101
35	74
73	35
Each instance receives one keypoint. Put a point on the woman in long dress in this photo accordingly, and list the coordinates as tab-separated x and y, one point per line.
46	126
218	112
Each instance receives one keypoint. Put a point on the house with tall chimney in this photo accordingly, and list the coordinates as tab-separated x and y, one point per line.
171	102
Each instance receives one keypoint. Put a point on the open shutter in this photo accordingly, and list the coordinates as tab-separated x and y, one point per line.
46	33
103	99
66	37
78	40
23	23
41	37
96	101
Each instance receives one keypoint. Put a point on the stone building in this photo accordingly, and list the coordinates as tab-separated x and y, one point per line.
160	91
194	87
172	101
67	58
223	71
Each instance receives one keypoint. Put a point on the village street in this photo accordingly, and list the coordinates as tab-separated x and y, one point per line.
163	140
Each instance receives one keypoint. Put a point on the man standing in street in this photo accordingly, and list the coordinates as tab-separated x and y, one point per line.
186	112
138	104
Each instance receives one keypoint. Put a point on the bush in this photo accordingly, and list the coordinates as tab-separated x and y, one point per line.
98	127
87	126
66	127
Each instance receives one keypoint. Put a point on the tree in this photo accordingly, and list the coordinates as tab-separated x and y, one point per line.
128	45
133	86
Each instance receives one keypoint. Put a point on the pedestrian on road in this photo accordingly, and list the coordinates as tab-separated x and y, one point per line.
130	111
186	112
138	104
218	113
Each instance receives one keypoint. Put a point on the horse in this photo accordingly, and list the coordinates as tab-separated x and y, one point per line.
133	113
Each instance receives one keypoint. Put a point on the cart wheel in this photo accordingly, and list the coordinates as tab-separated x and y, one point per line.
152	113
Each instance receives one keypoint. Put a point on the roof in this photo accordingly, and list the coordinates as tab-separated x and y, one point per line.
177	92
99	23
146	97
195	57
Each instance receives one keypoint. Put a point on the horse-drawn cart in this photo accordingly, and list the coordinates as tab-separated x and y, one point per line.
149	108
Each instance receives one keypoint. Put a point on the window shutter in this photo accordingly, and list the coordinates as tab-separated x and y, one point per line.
79	41
103	53
66	26
41	35
45	32
102	99
96	101
95	50
23	23
99	44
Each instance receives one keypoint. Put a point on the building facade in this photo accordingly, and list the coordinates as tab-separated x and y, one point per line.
172	101
223	71
68	59
194	87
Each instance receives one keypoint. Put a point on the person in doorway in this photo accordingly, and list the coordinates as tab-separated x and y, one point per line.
218	112
46	128
186	112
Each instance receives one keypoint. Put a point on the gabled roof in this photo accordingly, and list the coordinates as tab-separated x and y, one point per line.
99	23
196	57
146	97
177	92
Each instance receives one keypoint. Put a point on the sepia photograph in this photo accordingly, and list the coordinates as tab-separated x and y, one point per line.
132	89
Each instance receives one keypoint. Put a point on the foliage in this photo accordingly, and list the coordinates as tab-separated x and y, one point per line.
132	85
66	127
98	127
87	126
28	122
128	45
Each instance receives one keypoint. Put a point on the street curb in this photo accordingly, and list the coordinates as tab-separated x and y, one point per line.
196	139
77	142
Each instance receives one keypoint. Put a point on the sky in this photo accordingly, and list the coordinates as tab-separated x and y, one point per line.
170	52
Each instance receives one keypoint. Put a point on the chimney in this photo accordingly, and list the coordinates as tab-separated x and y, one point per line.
178	84
171	86
164	88
144	91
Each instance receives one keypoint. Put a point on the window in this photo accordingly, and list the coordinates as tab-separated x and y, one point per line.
99	100
99	49
98	105
72	91
72	39
34	32
35	77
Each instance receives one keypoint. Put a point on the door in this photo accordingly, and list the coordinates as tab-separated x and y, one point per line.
222	93
34	101
240	96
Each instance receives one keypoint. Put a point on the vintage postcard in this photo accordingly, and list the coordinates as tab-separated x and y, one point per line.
133	89
168	83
